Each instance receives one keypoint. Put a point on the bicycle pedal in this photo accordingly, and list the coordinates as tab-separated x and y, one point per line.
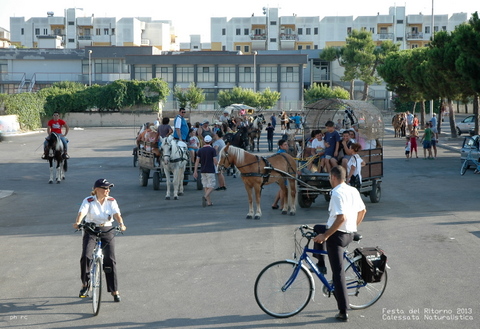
107	269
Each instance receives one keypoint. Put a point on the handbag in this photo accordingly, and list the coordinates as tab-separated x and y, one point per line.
355	180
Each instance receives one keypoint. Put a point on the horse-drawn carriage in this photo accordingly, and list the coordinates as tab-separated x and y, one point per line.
247	122
176	161
367	122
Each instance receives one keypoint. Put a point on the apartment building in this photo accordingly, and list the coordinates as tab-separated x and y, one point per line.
76	30
274	32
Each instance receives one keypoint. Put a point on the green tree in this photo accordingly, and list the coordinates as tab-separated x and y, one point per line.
360	58
321	91
190	97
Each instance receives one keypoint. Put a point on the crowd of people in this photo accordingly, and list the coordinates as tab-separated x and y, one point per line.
428	140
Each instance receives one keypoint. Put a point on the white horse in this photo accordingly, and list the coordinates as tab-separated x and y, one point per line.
174	160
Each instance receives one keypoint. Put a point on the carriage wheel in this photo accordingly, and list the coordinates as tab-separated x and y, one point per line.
156	180
376	192
304	201
144	174
185	179
199	182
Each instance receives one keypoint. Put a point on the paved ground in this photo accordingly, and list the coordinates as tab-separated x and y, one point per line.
184	266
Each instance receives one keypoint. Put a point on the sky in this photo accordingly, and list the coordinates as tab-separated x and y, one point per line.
193	17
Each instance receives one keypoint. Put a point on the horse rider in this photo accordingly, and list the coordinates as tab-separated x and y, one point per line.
180	125
55	125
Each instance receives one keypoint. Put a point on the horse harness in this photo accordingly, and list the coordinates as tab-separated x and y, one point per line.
268	168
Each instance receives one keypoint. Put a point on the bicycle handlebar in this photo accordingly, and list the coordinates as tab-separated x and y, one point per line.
89	227
309	235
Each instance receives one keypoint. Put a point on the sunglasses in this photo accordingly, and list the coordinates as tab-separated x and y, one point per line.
104	187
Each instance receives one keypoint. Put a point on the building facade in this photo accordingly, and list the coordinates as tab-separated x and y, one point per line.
75	30
274	32
27	70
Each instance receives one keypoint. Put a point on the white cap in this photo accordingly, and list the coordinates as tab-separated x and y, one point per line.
208	139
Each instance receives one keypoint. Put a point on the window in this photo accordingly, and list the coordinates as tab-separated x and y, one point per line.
71	40
427	29
185	74
237	32
273	39
226	74
206	74
37	31
165	73
414	46
97	31
113	31
22	31
349	30
300	31
246	74
109	66
300	47
273	22
238	48
268	73
143	73
372	30
399	38
246	31
3	66
258	31
71	23
289	74
308	31
224	31
246	49
45	31
399	21
105	31
444	28
308	47
315	30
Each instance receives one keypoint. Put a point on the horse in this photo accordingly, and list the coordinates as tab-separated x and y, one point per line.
254	132
174	160
55	153
238	139
258	171
398	123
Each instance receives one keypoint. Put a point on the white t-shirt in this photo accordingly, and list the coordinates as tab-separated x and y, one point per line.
318	144
345	200
356	161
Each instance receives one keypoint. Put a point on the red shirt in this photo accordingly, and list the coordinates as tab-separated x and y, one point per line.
56	125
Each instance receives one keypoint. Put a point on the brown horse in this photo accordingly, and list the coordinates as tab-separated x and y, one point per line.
258	171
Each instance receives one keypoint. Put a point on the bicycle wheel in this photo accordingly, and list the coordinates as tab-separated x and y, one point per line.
360	296
464	168
96	280
276	302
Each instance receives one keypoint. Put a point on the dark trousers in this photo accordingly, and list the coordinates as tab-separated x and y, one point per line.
270	144
336	245
109	263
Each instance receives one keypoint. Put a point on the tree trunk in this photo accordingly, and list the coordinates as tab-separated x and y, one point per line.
365	91
422	114
451	116
352	86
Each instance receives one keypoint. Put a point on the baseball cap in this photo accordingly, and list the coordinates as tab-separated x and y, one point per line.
208	139
102	182
205	122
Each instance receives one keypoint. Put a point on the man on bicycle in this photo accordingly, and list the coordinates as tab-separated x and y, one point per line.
347	211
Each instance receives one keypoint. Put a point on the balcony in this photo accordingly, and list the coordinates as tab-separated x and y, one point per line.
287	41
259	41
415	36
384	36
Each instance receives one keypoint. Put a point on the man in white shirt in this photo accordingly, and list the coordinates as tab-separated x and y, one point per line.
347	211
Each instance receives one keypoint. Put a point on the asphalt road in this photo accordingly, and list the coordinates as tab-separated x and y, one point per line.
184	266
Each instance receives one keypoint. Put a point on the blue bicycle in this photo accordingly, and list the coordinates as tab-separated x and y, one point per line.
284	288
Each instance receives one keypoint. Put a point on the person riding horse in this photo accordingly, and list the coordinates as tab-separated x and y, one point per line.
55	125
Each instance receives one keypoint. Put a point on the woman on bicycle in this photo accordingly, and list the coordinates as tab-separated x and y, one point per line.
99	210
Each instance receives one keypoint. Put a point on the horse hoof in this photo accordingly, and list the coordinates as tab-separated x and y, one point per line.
167	198
180	194
249	216
50	182
292	214
284	212
256	217
175	198
58	182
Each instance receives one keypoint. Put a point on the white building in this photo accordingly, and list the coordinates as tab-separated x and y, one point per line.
274	32
76	30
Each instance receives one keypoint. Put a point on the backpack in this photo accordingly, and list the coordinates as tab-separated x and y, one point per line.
372	264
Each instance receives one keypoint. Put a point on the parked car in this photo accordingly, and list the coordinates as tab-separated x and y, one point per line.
467	125
470	144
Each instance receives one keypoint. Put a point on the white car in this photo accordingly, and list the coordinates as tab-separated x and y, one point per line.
467	125
470	144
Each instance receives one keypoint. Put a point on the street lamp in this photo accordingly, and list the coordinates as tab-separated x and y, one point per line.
89	68
254	71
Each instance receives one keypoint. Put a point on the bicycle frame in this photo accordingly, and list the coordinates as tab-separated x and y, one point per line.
305	258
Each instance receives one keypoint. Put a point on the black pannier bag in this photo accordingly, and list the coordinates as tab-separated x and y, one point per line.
372	264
